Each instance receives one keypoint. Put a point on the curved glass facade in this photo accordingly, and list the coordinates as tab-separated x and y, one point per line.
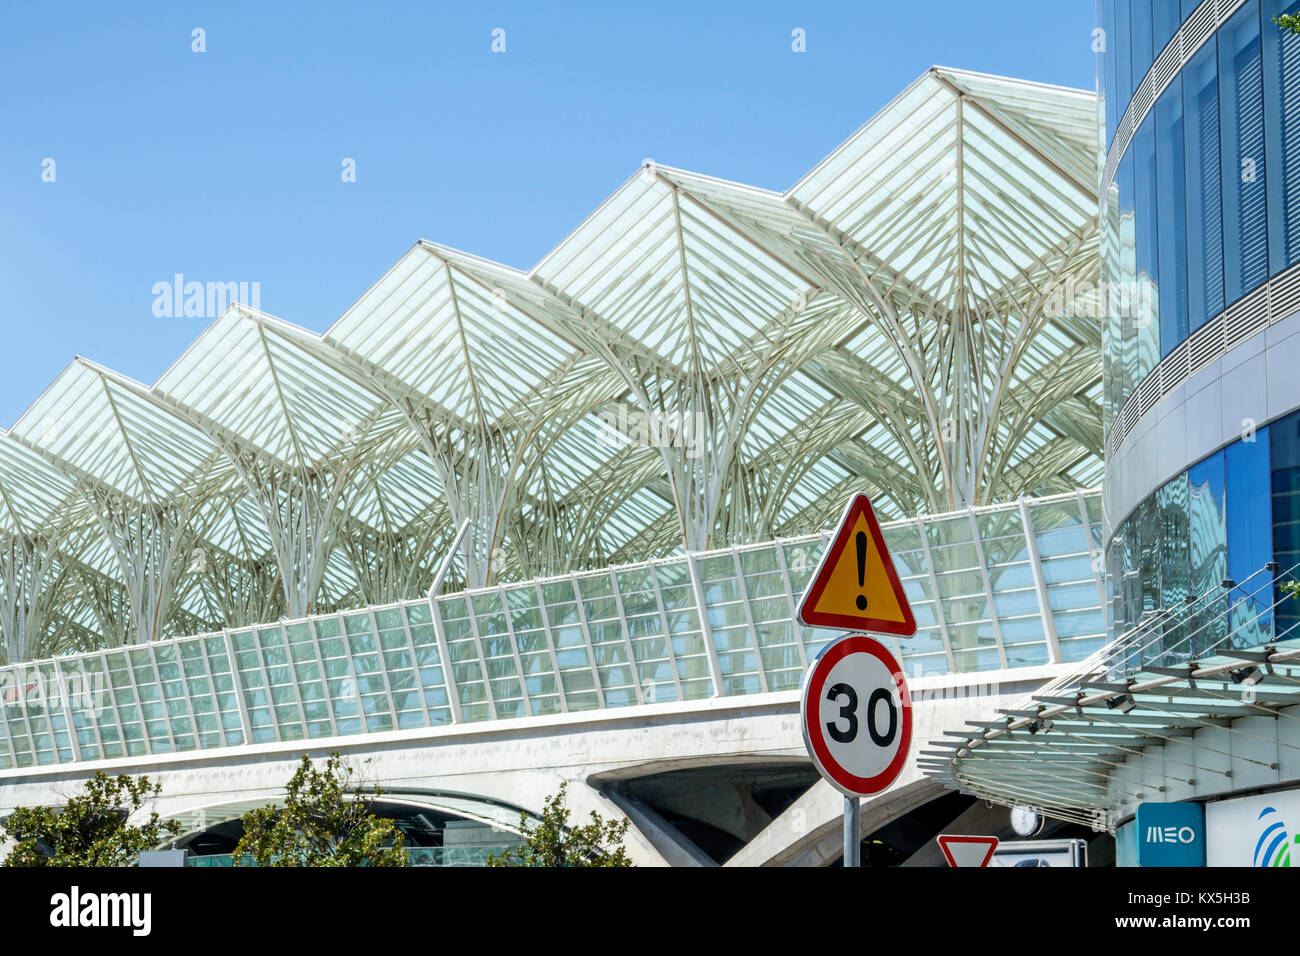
1204	205
1223	519
1136	31
1203	209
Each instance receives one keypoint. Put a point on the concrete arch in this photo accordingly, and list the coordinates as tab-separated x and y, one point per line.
810	832
465	806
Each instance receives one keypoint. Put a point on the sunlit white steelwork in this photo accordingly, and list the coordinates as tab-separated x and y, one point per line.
699	363
702	625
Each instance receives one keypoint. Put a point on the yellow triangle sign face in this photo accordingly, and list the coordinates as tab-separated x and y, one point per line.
855	586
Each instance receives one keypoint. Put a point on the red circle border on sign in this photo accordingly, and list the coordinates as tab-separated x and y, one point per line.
810	715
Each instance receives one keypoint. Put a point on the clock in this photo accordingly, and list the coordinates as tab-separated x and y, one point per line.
1027	821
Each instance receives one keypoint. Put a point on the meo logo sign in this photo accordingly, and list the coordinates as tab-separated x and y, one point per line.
1171	834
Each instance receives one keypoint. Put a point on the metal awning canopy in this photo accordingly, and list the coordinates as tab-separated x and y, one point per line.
1064	748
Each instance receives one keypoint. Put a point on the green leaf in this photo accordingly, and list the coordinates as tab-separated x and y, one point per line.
326	820
551	841
91	829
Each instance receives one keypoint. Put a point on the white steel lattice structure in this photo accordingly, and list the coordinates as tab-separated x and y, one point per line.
700	363
1001	591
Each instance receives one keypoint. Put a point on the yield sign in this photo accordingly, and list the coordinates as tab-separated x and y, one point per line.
856	587
968	850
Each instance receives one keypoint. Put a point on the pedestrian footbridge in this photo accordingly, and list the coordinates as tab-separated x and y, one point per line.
666	691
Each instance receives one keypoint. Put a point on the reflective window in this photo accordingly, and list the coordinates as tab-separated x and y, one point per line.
1222	522
1202	165
1175	567
1284	455
1208	545
1106	68
1124	277
1131	561
1141	38
1112	333
1282	134
1118	43
1190	200
1241	129
1165	18
1149	559
1171	217
1144	300
1250	539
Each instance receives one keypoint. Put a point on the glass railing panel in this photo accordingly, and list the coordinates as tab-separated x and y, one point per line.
1028	654
621	637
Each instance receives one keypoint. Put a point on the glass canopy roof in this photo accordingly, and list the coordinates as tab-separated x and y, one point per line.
699	363
1073	748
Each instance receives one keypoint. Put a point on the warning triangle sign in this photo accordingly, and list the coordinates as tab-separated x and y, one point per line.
967	850
855	586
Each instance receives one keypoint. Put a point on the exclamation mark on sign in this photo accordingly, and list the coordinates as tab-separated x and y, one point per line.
862	569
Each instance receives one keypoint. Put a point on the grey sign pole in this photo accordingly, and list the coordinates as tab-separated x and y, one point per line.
852	840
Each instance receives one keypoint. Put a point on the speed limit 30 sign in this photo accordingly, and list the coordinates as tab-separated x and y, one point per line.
856	715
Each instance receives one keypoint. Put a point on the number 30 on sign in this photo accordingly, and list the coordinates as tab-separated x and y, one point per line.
856	715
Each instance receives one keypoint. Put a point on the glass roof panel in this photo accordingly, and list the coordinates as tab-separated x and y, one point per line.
833	311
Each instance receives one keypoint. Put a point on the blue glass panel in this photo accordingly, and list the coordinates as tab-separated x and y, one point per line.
1166	16
1202	169
1106	67
1207	520
1250	539
1282	135
1112	337
1241	130
1175	567
1145	299
1189	7
1149	566
1171	217
1118	44
1284	455
1140	38
1124	357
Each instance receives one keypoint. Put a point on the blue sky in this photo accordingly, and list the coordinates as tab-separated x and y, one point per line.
226	165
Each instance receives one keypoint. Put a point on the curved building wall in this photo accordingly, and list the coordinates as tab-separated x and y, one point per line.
1200	294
